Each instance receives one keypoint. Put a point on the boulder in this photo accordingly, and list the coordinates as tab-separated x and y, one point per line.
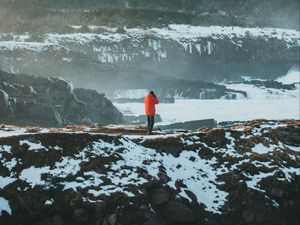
155	221
175	212
52	101
160	196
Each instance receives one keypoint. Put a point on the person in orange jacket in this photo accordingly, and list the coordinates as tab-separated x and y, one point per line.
150	102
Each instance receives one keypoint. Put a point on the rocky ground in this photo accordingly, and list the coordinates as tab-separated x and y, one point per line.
109	175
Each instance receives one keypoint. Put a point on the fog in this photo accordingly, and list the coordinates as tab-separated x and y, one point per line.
148	60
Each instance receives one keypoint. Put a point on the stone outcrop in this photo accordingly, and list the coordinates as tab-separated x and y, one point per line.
47	101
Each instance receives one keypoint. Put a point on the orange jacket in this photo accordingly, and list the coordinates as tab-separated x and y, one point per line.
150	102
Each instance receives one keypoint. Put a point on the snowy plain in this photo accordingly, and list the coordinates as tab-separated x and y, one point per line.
261	103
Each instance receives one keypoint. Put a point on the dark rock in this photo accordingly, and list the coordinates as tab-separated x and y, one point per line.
81	215
215	138
289	135
175	212
155	221
58	220
190	125
160	196
192	196
256	214
112	219
163	177
26	100
277	192
192	158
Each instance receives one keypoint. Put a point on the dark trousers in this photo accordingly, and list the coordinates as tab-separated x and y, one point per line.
150	123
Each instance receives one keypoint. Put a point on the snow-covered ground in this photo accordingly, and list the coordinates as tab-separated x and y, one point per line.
124	157
185	35
219	109
266	103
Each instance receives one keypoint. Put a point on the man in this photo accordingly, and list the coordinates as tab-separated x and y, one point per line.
150	102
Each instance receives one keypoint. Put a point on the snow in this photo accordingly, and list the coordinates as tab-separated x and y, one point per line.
291	78
130	93
195	176
32	145
5	148
261	149
31	46
4	205
254	92
10	164
255	179
293	148
49	202
4	181
32	175
11	131
127	157
219	109
264	103
193	39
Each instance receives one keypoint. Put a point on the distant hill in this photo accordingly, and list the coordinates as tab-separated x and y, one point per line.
264	13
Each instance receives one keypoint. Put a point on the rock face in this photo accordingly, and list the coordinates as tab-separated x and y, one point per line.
51	102
247	174
140	57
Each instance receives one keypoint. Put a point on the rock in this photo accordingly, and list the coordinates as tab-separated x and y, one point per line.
163	177
289	135
255	213
98	109
190	125
45	101
160	196
155	221
112	219
3	99
215	138
277	192
58	220
141	119
192	158
192	196
175	212
81	215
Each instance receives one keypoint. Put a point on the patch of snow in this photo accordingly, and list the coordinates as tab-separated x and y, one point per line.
291	78
11	131
261	149
32	146
32	175
219	109
130	93
31	46
5	148
255	179
4	181
293	148
10	164
196	178
4	205
49	202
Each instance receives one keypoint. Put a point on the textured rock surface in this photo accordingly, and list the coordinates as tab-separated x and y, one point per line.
51	102
104	59
76	175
